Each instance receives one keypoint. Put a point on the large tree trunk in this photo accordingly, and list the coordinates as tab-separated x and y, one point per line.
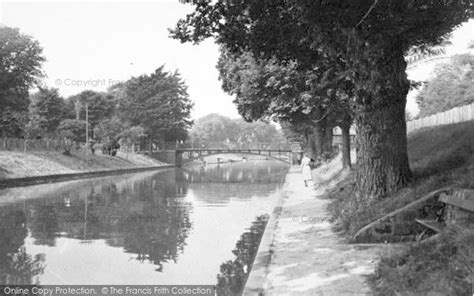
382	159
312	149
346	144
318	139
328	139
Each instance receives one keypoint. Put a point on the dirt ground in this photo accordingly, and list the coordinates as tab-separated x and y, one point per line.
301	255
15	164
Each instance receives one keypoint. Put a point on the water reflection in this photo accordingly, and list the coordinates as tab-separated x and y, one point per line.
135	229
234	273
16	266
248	172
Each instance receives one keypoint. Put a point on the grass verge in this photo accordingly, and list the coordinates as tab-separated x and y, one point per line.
439	157
439	266
14	164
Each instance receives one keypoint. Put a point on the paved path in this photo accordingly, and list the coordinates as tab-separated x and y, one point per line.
301	255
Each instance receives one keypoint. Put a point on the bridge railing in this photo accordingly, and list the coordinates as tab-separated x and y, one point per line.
229	145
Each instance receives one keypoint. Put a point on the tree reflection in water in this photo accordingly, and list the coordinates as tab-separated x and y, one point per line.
249	172
144	216
148	216
16	266
233	274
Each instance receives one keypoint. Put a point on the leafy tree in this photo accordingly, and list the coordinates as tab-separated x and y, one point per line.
111	132
73	131
100	106
452	86
256	131
20	68
108	131
297	133
213	128
159	103
70	109
47	110
368	39
218	128
284	92
13	123
132	134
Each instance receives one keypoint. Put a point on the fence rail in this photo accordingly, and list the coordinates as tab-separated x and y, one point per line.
19	144
455	115
231	145
25	145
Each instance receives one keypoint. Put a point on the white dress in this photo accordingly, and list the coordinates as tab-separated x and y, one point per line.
305	168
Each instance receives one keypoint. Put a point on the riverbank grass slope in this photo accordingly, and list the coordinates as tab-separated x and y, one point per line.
14	164
439	157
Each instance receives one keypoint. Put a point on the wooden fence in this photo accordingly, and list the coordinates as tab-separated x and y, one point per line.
455	115
19	144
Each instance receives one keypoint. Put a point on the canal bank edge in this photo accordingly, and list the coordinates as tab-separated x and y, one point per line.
301	254
259	271
34	180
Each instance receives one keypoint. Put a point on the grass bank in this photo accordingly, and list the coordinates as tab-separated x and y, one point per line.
14	164
439	157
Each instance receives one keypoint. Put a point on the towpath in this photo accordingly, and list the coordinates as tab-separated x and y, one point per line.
300	254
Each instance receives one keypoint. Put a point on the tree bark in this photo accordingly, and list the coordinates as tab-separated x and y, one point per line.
346	144
318	140
381	142
328	139
313	152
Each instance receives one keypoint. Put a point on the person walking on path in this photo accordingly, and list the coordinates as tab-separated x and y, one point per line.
306	170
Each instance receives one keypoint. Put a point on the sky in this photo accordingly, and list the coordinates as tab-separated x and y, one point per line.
92	45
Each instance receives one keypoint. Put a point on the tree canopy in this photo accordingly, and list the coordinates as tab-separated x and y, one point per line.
47	110
159	103
364	42
100	106
452	86
311	101
21	58
218	128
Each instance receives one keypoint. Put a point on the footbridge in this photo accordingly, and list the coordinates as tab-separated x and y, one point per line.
179	156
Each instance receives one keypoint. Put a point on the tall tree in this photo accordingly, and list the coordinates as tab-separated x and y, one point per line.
73	131
218	128
100	106
159	103
452	86
370	40
47	110
13	123
213	128
20	68
286	93
258	131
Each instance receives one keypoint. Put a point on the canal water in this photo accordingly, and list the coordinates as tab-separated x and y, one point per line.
175	226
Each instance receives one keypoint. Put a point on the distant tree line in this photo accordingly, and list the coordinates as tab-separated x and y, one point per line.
149	108
217	128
